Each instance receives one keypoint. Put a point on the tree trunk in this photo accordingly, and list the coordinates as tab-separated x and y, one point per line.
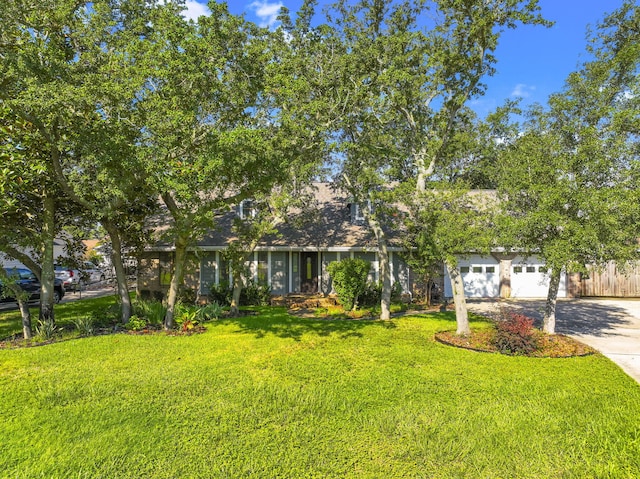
234	310
238	261
121	277
26	319
47	278
176	280
549	321
384	268
385	272
462	318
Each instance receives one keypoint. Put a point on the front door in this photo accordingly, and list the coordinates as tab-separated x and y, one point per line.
308	272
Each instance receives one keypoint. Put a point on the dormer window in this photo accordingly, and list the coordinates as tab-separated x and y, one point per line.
247	209
358	212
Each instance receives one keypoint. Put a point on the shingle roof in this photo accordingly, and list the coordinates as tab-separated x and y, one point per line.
330	225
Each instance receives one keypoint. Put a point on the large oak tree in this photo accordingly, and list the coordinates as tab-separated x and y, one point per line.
569	181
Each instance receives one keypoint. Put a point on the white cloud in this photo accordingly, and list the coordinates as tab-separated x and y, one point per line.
522	90
194	10
267	12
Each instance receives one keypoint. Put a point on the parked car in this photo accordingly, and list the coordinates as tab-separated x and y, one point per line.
90	273
29	282
69	277
74	278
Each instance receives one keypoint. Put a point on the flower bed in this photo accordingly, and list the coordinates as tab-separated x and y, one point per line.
549	345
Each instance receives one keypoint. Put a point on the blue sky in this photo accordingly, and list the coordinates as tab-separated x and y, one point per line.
533	62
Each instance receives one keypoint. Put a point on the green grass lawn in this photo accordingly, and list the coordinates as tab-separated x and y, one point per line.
274	396
65	313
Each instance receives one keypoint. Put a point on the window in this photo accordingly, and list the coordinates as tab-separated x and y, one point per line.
542	269
464	269
165	267
531	269
263	267
517	269
247	209
358	213
477	269
491	269
309	268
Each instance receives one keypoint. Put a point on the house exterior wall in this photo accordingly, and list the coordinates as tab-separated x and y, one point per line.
529	278
326	283
282	272
481	277
279	272
279	269
507	276
59	249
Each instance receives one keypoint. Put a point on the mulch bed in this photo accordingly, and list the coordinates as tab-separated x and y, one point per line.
550	345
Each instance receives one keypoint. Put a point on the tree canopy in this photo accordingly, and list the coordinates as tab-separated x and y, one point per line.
569	179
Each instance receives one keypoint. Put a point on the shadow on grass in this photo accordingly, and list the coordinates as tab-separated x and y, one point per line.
276	321
572	316
11	321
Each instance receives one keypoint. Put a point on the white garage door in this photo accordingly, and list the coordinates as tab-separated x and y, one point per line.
481	278
529	279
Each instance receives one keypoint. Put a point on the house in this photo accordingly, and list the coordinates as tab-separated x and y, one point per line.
296	259
59	250
293	261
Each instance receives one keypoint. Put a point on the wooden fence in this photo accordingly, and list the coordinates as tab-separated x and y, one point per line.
611	281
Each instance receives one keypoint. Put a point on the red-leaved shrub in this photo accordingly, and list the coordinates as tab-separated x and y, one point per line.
515	334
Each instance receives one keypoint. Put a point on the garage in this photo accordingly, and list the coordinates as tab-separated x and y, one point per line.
529	279
481	277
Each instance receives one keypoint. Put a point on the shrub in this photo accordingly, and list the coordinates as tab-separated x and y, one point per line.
396	292
46	330
515	334
220	293
187	295
209	312
85	325
349	278
152	311
371	295
255	294
136	323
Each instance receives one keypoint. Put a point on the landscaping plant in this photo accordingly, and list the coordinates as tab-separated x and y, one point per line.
209	312
515	334
85	325
136	323
349	280
255	294
46	330
153	311
220	293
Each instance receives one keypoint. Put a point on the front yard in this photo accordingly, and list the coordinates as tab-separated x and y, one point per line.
271	395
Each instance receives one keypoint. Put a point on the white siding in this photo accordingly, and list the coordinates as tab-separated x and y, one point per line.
529	279
481	276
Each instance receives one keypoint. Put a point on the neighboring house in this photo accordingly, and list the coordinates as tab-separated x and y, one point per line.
59	249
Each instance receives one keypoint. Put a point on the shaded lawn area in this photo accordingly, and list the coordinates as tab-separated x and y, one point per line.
275	396
65	313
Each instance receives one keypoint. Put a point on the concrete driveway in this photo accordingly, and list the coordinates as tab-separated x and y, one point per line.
612	326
